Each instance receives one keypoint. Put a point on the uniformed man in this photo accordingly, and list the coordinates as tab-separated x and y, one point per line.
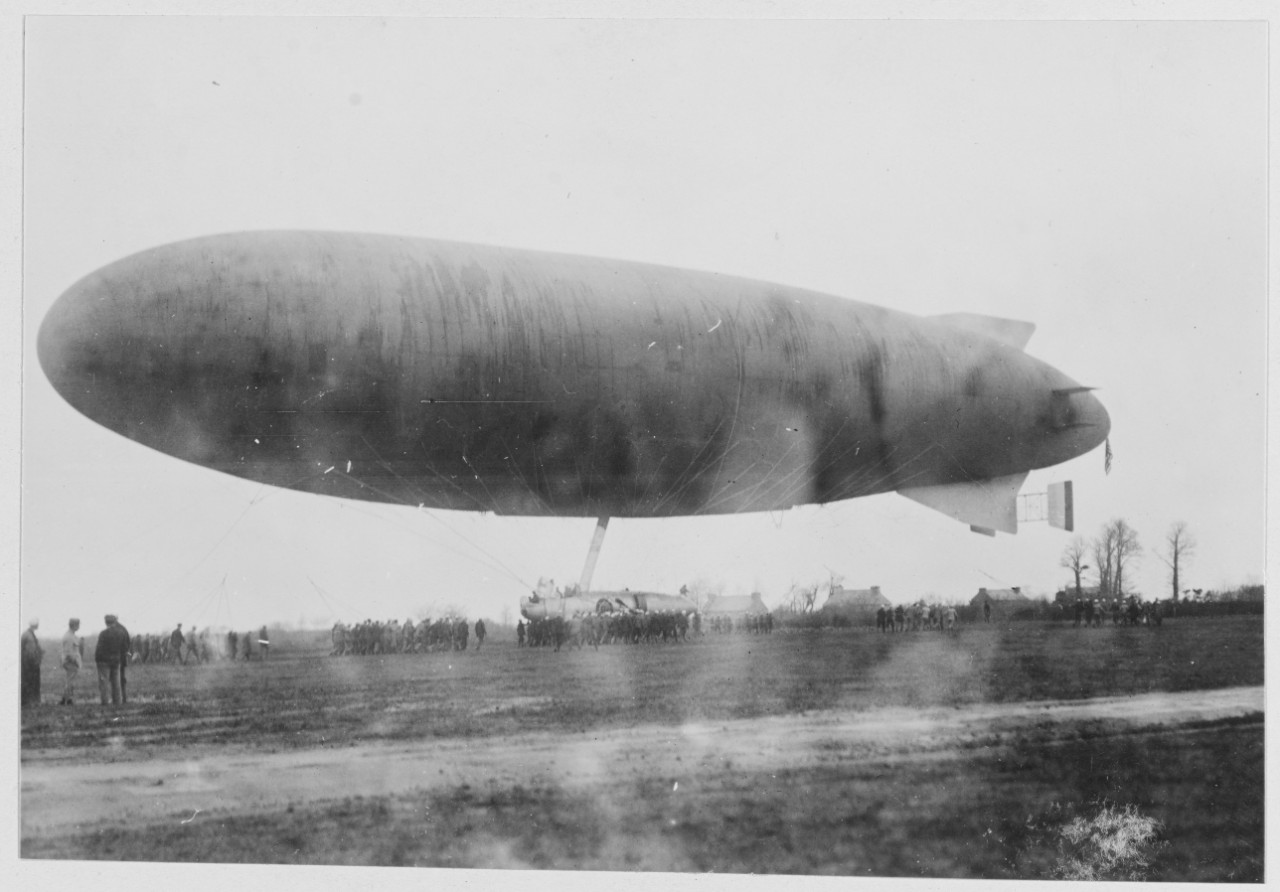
175	645
111	655
193	644
520	633
32	655
72	660
479	633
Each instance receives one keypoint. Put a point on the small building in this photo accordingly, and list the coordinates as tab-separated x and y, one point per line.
1005	602
734	605
855	603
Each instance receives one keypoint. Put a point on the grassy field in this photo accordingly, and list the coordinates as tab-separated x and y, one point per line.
991	808
303	698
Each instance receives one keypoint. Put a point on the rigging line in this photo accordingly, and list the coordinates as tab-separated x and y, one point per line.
386	466
895	472
807	469
225	603
419	492
680	489
523	480
390	498
328	605
737	405
771	483
479	505
197	603
722	496
214	548
653	478
209	598
483	560
352	611
493	503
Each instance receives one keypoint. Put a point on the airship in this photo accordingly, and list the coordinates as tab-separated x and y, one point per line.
457	376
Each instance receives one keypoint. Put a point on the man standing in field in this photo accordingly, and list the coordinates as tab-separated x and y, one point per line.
111	654
175	645
480	630
32	655
520	633
72	659
193	644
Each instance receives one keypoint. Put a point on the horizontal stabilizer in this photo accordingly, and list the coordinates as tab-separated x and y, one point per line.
1007	331
990	504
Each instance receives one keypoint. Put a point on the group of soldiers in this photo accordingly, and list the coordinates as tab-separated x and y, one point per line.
193	646
116	649
633	627
919	617
1127	612
395	637
594	629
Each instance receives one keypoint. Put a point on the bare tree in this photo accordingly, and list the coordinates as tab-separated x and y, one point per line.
1126	551
1104	548
1179	546
1073	559
801	598
701	591
1115	549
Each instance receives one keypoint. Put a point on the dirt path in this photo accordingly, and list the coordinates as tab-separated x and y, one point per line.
180	783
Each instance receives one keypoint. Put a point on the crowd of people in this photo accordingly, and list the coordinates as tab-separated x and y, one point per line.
1122	612
920	616
395	637
116	650
634	627
111	656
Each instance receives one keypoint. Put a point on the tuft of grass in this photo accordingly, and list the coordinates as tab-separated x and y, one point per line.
1114	844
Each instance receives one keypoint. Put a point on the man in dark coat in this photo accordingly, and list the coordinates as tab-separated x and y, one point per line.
32	655
111	655
480	630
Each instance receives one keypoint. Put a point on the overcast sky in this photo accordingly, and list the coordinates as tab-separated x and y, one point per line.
1105	181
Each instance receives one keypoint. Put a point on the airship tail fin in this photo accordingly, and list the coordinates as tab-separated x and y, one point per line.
985	505
1007	331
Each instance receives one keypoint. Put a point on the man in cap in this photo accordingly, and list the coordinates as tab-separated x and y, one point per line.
72	660
111	655
32	654
176	640
193	644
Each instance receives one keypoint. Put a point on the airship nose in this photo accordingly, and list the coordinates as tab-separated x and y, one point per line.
1077	422
108	351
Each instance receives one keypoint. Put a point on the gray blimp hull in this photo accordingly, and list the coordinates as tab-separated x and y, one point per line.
470	377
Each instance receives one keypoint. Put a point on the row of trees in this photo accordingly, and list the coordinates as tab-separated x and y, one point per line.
1116	549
